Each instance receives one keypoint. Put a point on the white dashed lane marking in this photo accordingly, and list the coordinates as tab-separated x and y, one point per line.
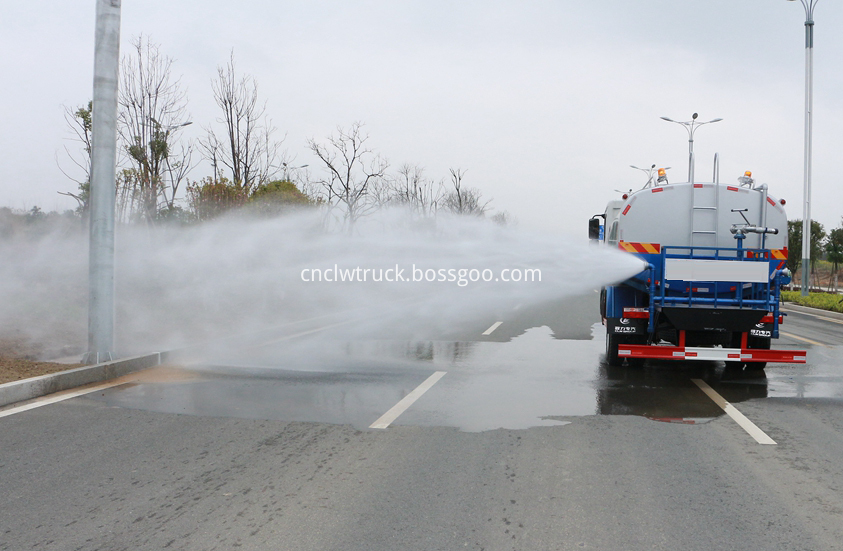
494	326
747	425
390	416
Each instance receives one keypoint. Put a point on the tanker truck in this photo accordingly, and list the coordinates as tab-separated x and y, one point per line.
716	260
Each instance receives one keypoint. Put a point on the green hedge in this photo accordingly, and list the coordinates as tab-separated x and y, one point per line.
824	301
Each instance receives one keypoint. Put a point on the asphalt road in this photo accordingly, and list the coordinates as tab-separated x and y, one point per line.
524	440
817	328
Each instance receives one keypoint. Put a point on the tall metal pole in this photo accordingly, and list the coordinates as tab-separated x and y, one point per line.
809	108
102	194
691	162
691	127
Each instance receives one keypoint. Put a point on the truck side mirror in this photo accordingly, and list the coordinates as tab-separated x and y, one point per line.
594	229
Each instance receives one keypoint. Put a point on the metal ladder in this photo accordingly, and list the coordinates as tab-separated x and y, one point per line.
704	215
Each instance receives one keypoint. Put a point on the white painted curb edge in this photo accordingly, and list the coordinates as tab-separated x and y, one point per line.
27	389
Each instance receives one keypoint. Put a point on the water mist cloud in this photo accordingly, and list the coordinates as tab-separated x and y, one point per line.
237	276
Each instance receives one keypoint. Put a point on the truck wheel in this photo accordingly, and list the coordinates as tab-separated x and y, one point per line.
736	343
636	362
612	342
603	305
759	343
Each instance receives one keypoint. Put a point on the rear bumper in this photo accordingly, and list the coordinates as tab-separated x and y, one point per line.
710	354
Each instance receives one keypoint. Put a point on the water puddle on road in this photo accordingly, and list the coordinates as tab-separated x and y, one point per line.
531	380
820	377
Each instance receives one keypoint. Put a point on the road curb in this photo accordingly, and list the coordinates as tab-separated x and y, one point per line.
815	311
27	389
35	387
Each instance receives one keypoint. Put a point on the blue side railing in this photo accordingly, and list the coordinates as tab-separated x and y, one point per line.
737	294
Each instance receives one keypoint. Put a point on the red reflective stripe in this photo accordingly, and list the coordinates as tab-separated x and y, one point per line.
782	356
771	201
697	185
657	189
731	188
626	209
679	353
645	248
642	350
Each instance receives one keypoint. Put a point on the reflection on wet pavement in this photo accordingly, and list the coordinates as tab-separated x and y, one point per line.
821	377
532	380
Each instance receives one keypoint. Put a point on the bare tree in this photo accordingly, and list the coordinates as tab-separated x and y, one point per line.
352	170
247	149
151	115
412	189
462	200
79	123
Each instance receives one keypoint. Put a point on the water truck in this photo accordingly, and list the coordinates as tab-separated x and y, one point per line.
716	260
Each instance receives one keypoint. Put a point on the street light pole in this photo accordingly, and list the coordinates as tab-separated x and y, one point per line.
102	193
170	127
691	127
288	168
809	111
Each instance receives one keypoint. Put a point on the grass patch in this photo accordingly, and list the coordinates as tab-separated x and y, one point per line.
823	301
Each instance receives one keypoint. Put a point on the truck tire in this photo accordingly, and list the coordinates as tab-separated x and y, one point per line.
736	343
636	362
751	342
759	343
603	305
612	342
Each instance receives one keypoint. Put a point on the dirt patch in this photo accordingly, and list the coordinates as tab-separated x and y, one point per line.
19	360
15	369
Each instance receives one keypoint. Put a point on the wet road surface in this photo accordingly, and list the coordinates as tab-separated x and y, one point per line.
528	441
538	368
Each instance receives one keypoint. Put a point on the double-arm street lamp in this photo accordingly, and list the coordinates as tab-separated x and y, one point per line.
169	128
651	172
287	170
809	107
691	126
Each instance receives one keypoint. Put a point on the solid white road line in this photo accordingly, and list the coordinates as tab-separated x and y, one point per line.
824	318
399	408
60	397
494	326
803	339
747	425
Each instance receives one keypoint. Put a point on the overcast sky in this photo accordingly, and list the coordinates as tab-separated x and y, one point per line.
544	104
